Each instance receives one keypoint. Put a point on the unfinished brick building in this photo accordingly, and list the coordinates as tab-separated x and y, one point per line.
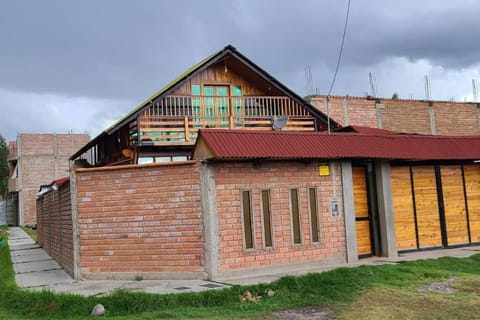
411	116
34	160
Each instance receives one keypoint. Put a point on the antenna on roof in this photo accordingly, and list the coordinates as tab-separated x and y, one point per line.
308	80
373	84
427	88
475	90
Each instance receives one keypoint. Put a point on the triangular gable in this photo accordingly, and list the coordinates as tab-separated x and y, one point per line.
204	64
194	70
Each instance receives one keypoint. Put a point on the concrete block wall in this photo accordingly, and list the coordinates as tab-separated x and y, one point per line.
231	178
54	225
139	220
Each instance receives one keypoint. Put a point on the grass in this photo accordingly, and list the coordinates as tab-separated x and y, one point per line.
31	232
366	292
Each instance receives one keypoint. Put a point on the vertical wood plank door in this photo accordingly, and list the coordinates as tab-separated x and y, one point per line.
472	190
454	205
362	219
403	209
426	205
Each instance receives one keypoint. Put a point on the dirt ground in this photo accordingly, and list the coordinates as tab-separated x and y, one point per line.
307	313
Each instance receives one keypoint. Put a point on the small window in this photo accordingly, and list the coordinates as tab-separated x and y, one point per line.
179	158
295	216
237	91
247	218
313	210
144	160
196	90
267	219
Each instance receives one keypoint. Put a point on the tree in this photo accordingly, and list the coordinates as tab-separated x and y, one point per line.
4	171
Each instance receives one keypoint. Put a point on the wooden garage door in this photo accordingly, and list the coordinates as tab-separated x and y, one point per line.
405	229
362	220
456	221
472	190
426	207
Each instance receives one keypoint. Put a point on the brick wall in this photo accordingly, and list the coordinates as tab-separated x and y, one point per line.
54	225
359	111
414	116
140	220
231	178
42	158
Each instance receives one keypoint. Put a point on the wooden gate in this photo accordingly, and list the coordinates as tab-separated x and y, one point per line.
456	221
472	191
362	216
436	206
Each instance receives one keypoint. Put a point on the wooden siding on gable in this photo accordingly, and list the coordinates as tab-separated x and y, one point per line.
216	75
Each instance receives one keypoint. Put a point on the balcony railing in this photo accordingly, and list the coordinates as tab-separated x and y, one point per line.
177	119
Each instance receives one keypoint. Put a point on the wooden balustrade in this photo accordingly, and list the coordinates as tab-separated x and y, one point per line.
177	119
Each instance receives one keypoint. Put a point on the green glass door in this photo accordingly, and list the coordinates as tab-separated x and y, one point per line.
215	99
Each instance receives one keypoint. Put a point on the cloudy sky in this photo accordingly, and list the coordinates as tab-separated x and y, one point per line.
80	65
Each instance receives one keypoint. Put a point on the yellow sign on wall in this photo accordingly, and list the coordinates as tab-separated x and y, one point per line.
323	169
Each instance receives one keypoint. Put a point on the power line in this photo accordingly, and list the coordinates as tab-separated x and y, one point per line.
341	50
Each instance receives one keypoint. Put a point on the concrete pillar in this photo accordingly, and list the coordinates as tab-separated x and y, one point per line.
478	114
75	227
431	113
345	112
210	219
349	210
379	107
388	245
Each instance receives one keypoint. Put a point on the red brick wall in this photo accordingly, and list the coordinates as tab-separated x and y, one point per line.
456	118
231	178
140	220
361	112
54	226
42	158
450	118
406	116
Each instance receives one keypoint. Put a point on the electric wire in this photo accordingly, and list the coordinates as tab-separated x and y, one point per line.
341	50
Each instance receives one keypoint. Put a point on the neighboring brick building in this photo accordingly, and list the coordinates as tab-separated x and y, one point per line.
412	116
37	159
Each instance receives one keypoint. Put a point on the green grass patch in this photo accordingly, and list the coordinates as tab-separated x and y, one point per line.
32	233
366	292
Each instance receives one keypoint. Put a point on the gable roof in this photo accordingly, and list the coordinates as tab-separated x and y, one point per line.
199	67
278	145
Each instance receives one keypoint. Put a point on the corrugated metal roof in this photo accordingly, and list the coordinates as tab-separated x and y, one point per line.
237	144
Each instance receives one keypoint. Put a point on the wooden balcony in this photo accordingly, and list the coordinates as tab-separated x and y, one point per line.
175	120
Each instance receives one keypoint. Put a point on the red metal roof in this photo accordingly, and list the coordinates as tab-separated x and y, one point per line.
243	144
365	130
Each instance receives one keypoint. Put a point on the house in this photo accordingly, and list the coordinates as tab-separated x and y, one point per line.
226	170
225	90
36	159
